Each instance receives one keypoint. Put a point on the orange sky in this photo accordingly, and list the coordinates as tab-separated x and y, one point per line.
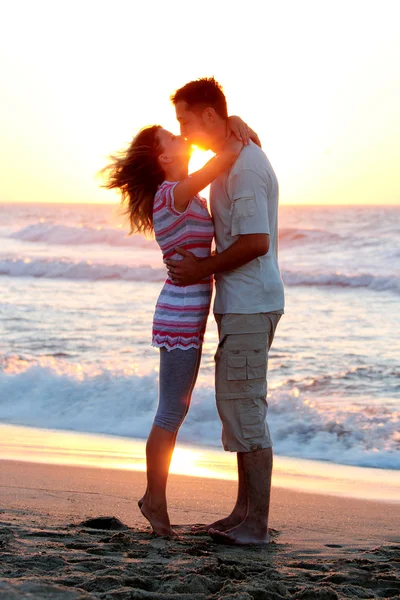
319	81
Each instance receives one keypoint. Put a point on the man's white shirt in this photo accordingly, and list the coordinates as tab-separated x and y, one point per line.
244	200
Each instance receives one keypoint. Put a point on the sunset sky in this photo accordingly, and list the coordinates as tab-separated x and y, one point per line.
319	80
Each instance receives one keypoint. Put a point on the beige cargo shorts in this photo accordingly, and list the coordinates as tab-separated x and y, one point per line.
241	363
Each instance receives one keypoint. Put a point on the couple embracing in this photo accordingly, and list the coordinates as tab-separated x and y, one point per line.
161	197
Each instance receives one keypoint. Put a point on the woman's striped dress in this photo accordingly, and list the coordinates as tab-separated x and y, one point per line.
181	312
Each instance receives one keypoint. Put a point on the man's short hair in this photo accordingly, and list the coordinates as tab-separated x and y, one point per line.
202	93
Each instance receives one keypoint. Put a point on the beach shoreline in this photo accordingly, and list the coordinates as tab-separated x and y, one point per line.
73	448
323	546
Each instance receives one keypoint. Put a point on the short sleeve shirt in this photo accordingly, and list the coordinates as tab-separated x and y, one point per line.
244	201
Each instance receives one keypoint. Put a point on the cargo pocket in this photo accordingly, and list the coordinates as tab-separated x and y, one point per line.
257	365
243	206
251	420
236	368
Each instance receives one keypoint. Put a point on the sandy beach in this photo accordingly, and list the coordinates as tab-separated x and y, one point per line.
323	546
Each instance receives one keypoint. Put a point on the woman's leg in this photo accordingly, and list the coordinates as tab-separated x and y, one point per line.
178	374
143	498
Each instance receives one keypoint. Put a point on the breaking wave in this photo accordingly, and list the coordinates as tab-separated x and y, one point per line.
121	403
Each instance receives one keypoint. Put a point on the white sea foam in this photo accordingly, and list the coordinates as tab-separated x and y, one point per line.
123	404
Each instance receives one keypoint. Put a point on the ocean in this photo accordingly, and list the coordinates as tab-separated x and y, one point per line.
76	305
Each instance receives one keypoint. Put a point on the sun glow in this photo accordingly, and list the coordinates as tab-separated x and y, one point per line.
199	158
197	161
326	113
183	461
198	464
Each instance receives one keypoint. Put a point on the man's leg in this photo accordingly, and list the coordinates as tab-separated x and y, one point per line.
239	511
253	529
244	357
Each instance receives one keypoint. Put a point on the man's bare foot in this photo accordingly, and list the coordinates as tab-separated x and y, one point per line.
245	534
222	525
158	519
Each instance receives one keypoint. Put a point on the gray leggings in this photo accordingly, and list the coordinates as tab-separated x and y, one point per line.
178	374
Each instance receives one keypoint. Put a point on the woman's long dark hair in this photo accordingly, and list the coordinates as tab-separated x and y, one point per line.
136	172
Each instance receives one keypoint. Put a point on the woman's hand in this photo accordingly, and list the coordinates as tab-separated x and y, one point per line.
242	131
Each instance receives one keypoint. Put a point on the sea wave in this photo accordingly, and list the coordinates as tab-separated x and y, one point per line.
374	380
80	270
63	268
52	233
123	403
293	236
378	283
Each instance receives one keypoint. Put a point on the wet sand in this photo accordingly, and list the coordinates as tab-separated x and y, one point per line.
322	546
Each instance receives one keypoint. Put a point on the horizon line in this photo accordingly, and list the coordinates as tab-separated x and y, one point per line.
281	204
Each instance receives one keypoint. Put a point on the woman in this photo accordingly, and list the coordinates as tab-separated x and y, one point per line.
161	197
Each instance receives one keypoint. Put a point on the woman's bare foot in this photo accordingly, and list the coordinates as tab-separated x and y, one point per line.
245	534
158	519
225	524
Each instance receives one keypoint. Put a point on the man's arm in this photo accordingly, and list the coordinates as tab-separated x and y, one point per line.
192	269
249	224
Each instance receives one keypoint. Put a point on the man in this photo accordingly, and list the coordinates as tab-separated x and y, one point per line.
248	304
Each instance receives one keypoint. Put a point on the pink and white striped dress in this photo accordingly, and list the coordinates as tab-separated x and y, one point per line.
181	312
